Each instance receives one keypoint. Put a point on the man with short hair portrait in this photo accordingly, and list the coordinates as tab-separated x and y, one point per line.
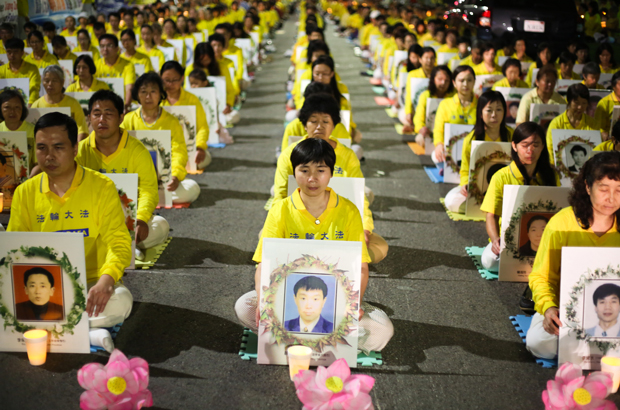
39	286
580	156
606	300
310	297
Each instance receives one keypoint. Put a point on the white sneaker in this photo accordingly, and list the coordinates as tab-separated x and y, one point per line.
139	254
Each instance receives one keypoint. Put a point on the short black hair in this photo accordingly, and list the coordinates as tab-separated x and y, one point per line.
172	65
567	57
312	283
315	88
590	68
217	37
83	31
56	119
198	74
14	44
149	78
7	95
428	50
575	91
88	60
98	26
35	33
59	41
536	218
511	62
224	26
130	33
38	271
107	95
605	290
320	103
49	26
578	148
313	150
110	37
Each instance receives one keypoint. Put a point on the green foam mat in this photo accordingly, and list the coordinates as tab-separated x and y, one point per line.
455	216
475	252
249	351
268	204
390	112
152	255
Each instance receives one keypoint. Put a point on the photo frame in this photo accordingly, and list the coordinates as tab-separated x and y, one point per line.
605	79
561	86
418	86
22	84
454	134
287	260
219	82
35	113
578	68
83	97
159	145
127	187
571	149
61	255
513	99
542	114
169	53
487	157
431	112
186	115
208	98
584	269
14	164
347	187
485	82
179	46
443	58
401	88
525	213
116	84
614	117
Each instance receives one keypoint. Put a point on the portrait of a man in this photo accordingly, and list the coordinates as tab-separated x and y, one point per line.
7	172
310	295
39	285
606	299
579	154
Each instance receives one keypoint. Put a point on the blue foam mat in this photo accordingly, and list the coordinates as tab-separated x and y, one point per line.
218	145
113	331
522	325
433	174
475	252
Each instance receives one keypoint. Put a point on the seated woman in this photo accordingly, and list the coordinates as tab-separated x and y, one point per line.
490	126
316	48
605	59
150	93
85	44
314	162
218	42
148	46
530	166
460	109
319	115
512	75
605	107
612	144
427	63
575	117
544	93
590	220
172	76
543	57
39	56
488	65
439	86
53	80
61	50
13	113
85	69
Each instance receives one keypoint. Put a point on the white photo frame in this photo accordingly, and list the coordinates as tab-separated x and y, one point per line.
485	82
127	187
186	115
569	147
159	145
542	114
22	84
513	99
219	82
417	86
454	135
208	98
116	84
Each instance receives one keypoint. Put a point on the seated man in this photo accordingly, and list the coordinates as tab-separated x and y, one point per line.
39	286
606	300
310	297
67	197
315	211
18	68
110	149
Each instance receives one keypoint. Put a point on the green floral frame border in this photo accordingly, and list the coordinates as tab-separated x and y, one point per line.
79	302
574	325
559	165
189	127
451	144
166	156
474	190
542	115
133	212
273	325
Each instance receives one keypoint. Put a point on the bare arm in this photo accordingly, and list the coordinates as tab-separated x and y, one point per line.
492	222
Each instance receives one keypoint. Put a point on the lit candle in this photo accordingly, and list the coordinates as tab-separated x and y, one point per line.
1	201
610	364
36	346
298	359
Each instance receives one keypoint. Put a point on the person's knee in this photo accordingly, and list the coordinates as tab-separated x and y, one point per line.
543	347
188	191
489	260
455	200
159	228
205	162
377	248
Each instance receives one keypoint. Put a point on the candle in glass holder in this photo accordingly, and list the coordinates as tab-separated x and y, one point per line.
611	365
36	346
298	359
1	201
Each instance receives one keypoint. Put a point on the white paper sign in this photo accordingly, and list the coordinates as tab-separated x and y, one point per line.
116	84
219	82
561	86
345	118
127	187
159	145
22	84
35	113
208	98
485	82
443	58
186	115
571	150
454	134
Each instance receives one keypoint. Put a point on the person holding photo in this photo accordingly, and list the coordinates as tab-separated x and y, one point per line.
488	65
590	220
543	57
490	126
316	212
544	93
512	75
606	299
427	63
612	144
535	228
605	107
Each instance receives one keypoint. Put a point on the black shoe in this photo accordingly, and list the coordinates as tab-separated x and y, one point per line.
526	304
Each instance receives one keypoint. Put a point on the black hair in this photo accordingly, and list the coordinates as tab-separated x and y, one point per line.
316	88
217	37
541	47
149	78
428	50
605	290
567	57
458	70
486	46
7	95
224	26
599	51
462	40
114	14
417	50
320	103
147	27
328	61
202	49
615	132
98	26
547	70
583	46
59	41
487	97
49	26
40	271
198	74
35	33
172	65
590	68
536	218
576	148
8	27
543	166
239	26
432	88
576	91
107	95
30	25
313	150
511	62
130	33
316	45
83	31
56	119
110	37
493	170
88	60
14	44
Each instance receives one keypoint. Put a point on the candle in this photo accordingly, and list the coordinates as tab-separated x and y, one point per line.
36	346
298	359
1	201
610	364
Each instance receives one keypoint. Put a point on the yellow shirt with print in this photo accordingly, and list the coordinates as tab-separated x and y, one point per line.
561	122
451	111
140	58
602	115
166	121
47	60
296	129
77	113
28	128
504	83
26	70
202	127
95	86
562	230
120	69
92	49
289	219
91	207
131	157
466	153
417	73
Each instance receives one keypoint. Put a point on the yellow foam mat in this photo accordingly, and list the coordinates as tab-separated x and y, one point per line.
416	148
399	130
152	255
455	216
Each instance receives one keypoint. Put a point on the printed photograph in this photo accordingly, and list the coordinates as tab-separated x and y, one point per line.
576	156
601	305
531	230
310	303
37	291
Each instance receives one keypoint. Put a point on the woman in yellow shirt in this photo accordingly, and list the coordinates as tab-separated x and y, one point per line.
487	66
512	75
39	56
85	69
61	51
567	62
315	211
530	166
605	59
439	86
591	220
150	93
148	46
613	143
13	113
490	126
427	62
543	57
85	44
53	80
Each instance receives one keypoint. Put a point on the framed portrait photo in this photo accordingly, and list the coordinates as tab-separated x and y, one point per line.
542	114
159	145
186	115
485	82
571	150
513	98
14	164
454	135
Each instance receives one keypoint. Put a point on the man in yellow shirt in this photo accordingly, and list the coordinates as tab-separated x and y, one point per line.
70	29
66	197
18	68
544	93
111	64
128	40
315	211
114	19
109	149
605	107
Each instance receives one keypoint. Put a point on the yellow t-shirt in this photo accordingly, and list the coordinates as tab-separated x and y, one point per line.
419	118
451	111
504	83
481	69
234	50
92	49
418	73
531	97
47	60
120	69
604	146
573	76
77	113
561	122
603	113
91	207
154	52
26	70
131	157
447	49
296	129
202	127
468	61
607	70
526	58
466	155
95	86
562	230
166	121
28	128
289	219
139	58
